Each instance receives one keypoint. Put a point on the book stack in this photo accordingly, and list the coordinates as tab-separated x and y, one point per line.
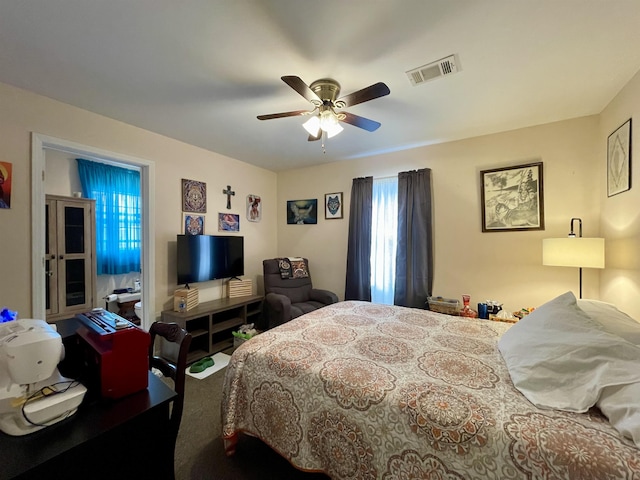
190	296
239	288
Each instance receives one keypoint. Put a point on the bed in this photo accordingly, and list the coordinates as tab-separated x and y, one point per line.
366	391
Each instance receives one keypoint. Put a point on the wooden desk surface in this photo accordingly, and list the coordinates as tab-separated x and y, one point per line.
93	421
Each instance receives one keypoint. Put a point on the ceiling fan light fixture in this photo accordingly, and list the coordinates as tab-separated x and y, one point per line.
329	122
312	125
333	130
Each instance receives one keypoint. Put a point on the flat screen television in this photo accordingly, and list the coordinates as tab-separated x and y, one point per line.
209	257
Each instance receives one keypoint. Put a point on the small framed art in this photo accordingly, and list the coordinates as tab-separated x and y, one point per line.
333	205
302	212
619	160
228	222
194	196
5	184
193	224
512	198
254	208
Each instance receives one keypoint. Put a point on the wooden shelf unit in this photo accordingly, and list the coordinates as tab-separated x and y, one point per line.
211	323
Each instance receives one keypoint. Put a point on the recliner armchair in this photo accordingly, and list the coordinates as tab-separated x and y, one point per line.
287	298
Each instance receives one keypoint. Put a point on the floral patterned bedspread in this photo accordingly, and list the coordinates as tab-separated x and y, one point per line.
366	391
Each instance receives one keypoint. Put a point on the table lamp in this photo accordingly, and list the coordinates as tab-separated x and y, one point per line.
574	251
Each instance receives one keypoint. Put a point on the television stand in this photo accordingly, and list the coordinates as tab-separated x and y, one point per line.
211	323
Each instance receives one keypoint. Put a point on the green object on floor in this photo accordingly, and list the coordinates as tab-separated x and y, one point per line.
201	365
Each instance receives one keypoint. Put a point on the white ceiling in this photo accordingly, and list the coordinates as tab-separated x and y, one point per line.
200	71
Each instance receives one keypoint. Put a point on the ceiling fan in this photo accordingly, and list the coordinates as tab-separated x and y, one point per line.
327	113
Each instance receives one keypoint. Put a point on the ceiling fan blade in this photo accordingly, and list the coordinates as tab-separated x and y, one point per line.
317	136
371	92
360	122
283	114
302	88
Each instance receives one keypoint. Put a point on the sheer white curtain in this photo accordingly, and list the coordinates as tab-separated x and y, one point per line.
384	239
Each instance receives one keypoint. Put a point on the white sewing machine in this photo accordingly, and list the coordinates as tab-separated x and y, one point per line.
33	394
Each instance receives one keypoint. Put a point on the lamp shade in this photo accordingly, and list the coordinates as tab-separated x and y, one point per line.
573	252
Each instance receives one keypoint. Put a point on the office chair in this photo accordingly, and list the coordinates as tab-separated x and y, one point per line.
172	362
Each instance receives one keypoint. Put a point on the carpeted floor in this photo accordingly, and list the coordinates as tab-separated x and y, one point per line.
199	450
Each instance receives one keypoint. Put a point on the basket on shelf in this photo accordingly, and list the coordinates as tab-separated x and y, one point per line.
239	288
190	296
496	318
450	306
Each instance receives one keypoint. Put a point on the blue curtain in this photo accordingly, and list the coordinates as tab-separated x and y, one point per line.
383	239
118	215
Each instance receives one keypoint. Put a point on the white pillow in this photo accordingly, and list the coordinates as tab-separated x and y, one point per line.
621	405
612	320
561	359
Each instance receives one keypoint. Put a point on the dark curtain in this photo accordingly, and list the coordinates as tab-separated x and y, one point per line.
358	282
414	257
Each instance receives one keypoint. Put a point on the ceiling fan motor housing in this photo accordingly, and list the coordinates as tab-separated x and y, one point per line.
326	89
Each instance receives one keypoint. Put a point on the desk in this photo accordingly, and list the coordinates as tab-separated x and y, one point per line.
120	439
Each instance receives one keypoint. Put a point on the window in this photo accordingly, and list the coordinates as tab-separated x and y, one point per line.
116	191
384	229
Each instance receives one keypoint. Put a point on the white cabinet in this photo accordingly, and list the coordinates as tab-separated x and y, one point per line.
70	256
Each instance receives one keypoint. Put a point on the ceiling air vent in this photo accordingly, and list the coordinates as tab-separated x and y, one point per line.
431	71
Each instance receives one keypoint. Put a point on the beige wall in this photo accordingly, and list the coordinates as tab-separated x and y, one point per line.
61	174
620	221
503	266
24	112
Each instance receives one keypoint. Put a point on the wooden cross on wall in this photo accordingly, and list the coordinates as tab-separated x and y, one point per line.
228	192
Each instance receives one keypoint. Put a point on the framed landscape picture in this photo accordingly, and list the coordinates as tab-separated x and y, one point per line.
512	198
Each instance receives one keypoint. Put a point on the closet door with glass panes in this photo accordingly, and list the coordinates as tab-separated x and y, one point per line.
70	260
